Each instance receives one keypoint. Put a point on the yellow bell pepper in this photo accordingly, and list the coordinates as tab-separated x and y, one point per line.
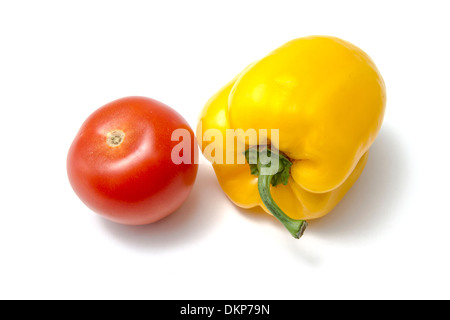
327	100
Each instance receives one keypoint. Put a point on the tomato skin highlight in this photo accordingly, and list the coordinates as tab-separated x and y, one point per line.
120	164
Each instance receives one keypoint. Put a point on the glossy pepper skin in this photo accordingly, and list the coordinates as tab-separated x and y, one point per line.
326	97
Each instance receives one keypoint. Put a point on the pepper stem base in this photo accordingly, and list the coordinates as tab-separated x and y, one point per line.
265	180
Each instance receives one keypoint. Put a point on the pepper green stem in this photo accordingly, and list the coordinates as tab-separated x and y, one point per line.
295	227
266	178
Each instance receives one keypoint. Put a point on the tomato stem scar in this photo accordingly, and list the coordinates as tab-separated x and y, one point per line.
115	138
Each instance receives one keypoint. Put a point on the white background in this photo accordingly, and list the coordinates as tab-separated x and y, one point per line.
60	60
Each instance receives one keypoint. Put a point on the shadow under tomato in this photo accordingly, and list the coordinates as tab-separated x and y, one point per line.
191	222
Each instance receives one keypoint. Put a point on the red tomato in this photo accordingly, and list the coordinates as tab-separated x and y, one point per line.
120	162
